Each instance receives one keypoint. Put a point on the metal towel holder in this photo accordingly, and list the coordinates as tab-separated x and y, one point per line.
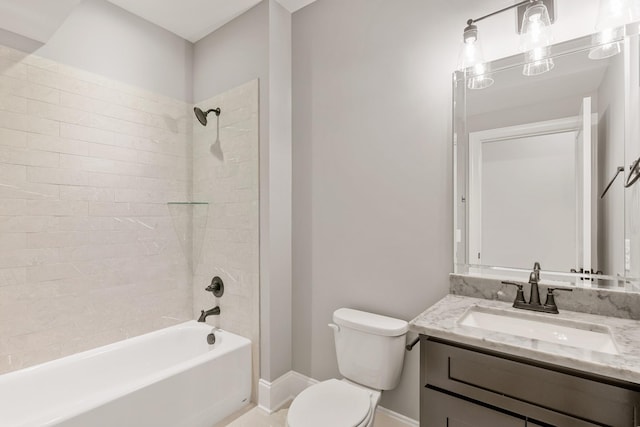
412	344
634	175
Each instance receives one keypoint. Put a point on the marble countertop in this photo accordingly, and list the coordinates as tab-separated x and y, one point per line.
441	321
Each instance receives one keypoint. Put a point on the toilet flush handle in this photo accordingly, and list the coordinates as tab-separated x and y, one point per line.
336	328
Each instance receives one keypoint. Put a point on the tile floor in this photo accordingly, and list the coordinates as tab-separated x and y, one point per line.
256	417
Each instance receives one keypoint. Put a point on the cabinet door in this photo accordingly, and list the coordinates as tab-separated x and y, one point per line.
441	410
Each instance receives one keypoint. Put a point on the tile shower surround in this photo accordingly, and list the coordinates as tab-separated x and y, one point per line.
88	250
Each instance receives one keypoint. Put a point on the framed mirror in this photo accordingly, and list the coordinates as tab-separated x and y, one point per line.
543	158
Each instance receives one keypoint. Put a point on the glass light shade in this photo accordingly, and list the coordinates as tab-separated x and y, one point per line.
608	43
471	50
471	61
470	55
537	62
612	16
536	27
477	83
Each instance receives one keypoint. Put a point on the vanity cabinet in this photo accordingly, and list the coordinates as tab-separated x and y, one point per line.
444	410
464	386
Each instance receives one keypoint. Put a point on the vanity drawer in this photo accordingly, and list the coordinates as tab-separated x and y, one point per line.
519	386
442	410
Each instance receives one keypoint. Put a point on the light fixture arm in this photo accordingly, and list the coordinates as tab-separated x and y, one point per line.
513	6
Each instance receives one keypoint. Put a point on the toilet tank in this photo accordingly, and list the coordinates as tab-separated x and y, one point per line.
369	347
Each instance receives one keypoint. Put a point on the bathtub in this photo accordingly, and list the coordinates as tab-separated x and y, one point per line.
167	378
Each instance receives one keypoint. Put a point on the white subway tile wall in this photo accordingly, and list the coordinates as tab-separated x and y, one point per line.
225	174
88	251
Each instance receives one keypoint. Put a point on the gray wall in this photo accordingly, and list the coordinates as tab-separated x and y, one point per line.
232	55
105	39
372	186
257	44
372	170
275	269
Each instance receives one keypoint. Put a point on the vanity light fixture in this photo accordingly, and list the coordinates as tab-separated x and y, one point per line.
612	17
535	39
534	20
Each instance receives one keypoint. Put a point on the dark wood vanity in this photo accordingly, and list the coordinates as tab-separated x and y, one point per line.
465	386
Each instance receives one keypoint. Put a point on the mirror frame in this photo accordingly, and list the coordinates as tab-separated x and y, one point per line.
461	169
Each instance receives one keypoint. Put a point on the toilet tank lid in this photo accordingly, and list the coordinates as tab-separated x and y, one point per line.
369	322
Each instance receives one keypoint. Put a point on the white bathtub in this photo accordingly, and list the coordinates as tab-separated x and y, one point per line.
167	378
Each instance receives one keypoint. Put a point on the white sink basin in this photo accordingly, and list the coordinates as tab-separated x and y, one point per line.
587	336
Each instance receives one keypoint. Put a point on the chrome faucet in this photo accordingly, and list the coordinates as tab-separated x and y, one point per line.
534	297
215	311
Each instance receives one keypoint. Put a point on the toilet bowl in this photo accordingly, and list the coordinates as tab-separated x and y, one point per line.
370	353
338	403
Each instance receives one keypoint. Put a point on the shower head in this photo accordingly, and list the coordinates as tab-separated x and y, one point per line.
202	115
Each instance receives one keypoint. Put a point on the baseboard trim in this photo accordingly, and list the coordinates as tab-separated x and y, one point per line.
272	396
401	419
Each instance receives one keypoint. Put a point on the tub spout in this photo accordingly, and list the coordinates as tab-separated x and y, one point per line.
215	311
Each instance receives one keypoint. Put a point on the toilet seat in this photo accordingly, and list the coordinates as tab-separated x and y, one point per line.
330	403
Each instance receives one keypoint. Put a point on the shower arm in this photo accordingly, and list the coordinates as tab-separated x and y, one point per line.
214	110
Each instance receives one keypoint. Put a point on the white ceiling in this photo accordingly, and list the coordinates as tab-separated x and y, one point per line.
190	19
194	19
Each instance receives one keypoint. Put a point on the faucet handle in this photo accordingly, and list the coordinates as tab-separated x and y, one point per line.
519	294
216	287
550	303
551	290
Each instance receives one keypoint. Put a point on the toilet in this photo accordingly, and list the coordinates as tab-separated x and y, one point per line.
370	350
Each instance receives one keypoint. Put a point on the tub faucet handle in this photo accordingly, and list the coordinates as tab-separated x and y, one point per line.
216	287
